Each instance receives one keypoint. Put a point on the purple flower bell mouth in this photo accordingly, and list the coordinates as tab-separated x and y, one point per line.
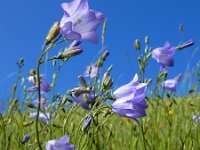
164	55
79	22
61	144
130	100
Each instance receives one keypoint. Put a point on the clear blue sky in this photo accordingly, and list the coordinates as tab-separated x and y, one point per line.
24	25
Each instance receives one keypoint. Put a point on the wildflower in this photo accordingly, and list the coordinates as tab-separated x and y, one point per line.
130	100
25	138
79	22
196	118
43	103
42	117
171	84
61	144
164	55
87	122
44	85
91	71
170	112
84	99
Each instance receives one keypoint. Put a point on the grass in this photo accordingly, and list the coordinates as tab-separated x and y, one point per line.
168	125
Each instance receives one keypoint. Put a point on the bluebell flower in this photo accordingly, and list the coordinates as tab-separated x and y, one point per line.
164	55
79	22
130	100
61	144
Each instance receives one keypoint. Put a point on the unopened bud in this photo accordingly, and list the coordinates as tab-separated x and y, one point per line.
105	55
185	44
148	56
82	81
146	39
32	72
79	90
21	61
69	52
107	83
53	32
137	44
25	138
139	59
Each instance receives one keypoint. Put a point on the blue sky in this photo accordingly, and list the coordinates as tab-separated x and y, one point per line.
24	25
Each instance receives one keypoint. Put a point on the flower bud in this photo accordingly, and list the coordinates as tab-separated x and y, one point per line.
185	44
69	52
137	44
86	123
79	90
25	138
82	81
53	32
146	39
32	72
105	55
107	82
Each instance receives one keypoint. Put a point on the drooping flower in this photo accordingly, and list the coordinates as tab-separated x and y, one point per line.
84	99
43	103
61	144
42	117
87	122
91	71
44	85
79	22
164	55
130	100
25	138
171	84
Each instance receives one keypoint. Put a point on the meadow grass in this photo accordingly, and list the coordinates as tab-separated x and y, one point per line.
168	125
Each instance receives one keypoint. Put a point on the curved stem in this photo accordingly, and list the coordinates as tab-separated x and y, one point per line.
39	100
